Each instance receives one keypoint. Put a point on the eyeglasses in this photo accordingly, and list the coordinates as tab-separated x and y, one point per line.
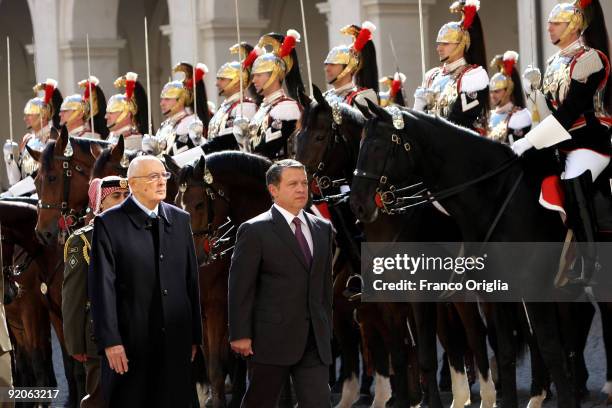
155	177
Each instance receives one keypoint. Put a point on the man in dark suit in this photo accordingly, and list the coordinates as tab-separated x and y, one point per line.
280	294
144	293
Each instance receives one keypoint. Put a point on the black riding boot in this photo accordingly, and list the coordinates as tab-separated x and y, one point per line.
581	219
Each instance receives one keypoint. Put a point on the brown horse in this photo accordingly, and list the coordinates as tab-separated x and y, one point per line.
220	192
34	307
61	184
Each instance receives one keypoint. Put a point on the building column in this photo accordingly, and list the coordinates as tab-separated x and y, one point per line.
340	13
398	21
217	33
44	15
104	61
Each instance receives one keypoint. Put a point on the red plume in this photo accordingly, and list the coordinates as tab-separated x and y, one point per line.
365	35
50	85
509	60
396	85
130	84
288	45
250	59
200	71
85	84
585	3
469	13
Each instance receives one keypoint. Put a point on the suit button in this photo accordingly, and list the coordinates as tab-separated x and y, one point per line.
161	257
163	329
165	292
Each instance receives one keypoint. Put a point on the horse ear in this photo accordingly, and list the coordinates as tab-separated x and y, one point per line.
34	153
200	167
95	150
304	100
378	111
61	142
318	95
118	150
364	110
174	168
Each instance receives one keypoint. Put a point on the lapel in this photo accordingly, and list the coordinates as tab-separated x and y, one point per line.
135	213
283	230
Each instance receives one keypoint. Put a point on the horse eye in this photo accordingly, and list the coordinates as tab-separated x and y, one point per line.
52	179
200	206
319	137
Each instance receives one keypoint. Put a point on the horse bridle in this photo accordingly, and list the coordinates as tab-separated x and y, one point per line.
387	195
336	138
69	217
215	236
424	196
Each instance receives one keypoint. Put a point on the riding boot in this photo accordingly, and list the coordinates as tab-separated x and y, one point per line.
581	219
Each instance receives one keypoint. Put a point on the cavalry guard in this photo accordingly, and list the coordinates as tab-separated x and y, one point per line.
42	118
270	130
509	120
351	69
394	94
576	118
78	324
183	128
127	113
458	90
75	111
232	111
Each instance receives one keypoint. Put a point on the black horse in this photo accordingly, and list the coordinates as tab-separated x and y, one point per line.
328	145
501	207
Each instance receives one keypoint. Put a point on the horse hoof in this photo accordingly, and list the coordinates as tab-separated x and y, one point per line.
537	400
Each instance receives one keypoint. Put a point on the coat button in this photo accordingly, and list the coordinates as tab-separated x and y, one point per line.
161	257
165	292
163	329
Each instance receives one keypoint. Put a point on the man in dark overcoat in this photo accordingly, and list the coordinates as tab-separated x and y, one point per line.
144	292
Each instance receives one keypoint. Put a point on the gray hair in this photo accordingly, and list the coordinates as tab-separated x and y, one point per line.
274	173
135	164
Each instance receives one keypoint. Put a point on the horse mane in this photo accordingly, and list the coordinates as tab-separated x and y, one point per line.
347	111
81	143
472	140
229	161
104	158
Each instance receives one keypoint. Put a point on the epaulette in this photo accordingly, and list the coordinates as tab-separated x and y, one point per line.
287	109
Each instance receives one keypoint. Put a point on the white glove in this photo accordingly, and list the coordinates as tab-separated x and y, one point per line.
423	97
196	132
151	145
532	78
521	146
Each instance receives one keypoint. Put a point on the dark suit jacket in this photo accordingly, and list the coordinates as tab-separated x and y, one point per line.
273	296
123	285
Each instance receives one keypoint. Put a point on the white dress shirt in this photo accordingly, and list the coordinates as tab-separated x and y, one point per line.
151	213
289	218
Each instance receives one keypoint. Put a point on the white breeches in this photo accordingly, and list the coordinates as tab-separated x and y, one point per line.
580	160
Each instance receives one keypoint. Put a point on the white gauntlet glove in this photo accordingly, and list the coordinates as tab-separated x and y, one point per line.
521	146
423	97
